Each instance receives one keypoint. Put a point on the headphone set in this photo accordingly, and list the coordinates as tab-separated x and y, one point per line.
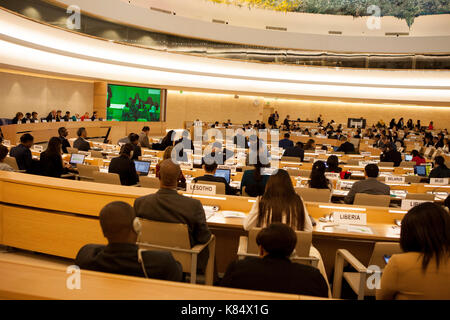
137	227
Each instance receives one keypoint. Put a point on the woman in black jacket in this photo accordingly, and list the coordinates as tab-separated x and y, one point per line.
51	163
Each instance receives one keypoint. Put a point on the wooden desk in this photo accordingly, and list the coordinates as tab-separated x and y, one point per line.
42	132
38	280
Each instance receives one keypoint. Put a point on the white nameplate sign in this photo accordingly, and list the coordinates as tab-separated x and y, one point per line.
321	151
366	154
53	120
365	163
38	148
332	175
395	179
346	185
198	188
44	120
227	167
410	203
439	181
350	218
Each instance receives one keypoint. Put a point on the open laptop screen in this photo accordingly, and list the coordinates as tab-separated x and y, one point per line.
224	173
420	171
76	158
142	167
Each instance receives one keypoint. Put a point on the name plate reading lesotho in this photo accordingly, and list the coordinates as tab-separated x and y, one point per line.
395	179
408	203
350	218
440	181
198	188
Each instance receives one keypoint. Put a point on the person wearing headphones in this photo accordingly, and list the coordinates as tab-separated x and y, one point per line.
121	255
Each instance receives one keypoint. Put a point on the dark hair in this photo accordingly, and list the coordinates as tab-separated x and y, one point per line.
3	152
278	240
167	140
210	167
281	199
299	144
287	135
80	131
26	138
372	170
126	149
309	144
116	219
317	179
426	229
440	160
54	146
133	137
61	130
333	163
146	128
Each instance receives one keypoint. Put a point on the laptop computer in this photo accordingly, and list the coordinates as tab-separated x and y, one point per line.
76	158
224	173
142	167
335	149
420	171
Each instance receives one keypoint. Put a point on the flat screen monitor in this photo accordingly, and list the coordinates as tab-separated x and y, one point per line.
335	149
77	158
224	173
125	103
142	167
420	171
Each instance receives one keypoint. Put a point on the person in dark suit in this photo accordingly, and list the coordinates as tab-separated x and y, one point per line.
346	146
370	185
239	140
51	116
210	170
34	117
51	163
286	143
440	170
296	151
23	154
122	255
63	133
66	117
81	144
124	166
391	155
134	140
286	123
167	205
18	118
273	271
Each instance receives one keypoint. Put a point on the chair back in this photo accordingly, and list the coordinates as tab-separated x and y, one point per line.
385	164
305	173
169	235
290	159
149	182
86	172
72	150
353	162
413	179
108	178
220	187
11	161
302	248
314	195
420	196
96	154
376	200
382	249
293	172
407	164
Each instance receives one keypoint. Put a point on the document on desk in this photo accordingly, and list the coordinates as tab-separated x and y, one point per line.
359	229
233	214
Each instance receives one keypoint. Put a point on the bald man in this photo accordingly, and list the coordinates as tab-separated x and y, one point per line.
167	205
120	256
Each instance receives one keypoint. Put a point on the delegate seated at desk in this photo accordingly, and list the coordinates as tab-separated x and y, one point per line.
440	170
370	185
81	144
273	271
286	142
210	170
23	155
167	205
124	166
51	163
121	256
295	152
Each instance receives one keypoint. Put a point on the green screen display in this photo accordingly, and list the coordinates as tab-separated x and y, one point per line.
133	103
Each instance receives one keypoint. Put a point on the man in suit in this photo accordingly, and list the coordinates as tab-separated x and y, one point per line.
121	256
346	146
81	144
34	117
23	154
391	155
51	116
286	143
370	185
286	123
124	166
296	151
143	138
167	205
440	169
66	117
210	170
63	133
273	270
134	140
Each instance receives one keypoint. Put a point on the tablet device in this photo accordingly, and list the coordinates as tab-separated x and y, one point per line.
224	173
142	167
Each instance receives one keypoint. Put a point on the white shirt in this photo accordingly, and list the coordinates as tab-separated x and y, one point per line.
252	218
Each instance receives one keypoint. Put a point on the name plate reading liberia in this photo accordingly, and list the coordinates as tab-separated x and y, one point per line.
350	218
198	188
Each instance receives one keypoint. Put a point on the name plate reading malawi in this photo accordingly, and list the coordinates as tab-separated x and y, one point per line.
198	188
350	218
